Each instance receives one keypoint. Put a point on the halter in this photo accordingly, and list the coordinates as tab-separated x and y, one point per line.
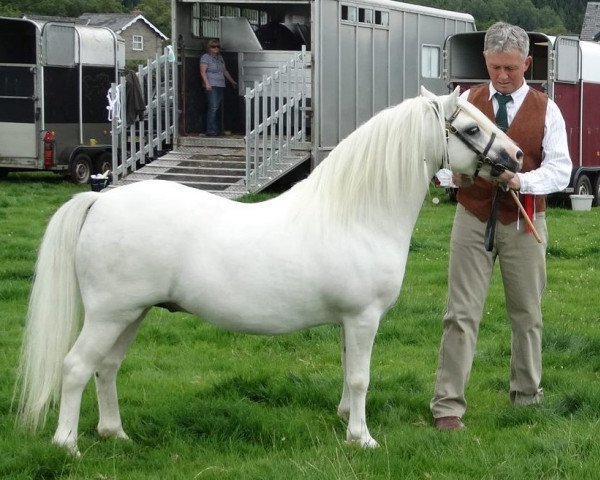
482	156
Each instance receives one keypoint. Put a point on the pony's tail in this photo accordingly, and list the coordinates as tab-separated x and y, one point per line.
53	318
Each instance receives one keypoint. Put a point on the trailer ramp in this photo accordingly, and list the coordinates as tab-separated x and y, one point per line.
216	165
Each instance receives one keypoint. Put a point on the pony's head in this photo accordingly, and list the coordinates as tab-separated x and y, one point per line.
476	146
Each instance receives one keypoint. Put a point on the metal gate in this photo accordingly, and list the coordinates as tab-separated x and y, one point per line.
152	129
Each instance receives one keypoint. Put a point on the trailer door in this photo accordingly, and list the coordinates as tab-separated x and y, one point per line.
567	90
19	138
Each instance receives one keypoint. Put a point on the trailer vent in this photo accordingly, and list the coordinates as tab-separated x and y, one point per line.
63	35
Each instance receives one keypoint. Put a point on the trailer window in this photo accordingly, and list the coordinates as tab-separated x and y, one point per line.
382	18
209	20
430	61
195	20
228	11
16	82
368	16
61	95
18	43
16	95
349	13
256	18
365	15
206	18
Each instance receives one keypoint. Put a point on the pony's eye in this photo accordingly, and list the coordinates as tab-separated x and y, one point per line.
472	130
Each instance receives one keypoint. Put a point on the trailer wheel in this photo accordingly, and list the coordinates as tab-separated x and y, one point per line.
103	163
81	168
583	185
597	192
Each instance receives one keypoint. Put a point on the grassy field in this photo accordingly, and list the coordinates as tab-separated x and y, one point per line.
201	403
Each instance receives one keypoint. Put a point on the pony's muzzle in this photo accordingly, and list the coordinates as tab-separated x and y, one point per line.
513	162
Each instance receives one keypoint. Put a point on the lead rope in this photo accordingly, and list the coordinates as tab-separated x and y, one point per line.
490	228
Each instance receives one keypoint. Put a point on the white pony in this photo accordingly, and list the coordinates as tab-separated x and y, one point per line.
332	250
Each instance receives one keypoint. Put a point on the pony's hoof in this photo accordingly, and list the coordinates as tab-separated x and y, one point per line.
369	442
68	445
112	433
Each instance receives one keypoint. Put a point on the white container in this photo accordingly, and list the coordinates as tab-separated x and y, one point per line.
581	202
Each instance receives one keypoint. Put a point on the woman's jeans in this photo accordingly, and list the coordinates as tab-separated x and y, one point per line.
214	99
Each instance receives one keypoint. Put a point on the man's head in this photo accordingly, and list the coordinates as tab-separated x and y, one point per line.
506	52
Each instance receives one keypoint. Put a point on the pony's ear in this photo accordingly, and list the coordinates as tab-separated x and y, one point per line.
426	93
452	99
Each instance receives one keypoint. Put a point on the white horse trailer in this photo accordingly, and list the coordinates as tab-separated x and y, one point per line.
568	70
54	78
349	60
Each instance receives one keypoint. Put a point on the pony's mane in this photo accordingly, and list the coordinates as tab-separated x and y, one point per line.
377	167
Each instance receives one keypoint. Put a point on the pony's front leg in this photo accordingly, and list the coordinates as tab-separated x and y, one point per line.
359	335
109	422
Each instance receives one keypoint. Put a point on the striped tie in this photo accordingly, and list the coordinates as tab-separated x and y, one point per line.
501	115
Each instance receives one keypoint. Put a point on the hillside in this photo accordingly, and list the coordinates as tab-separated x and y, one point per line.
548	16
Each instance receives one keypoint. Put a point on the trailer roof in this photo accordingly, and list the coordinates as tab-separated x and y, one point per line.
590	61
393	5
92	45
389	4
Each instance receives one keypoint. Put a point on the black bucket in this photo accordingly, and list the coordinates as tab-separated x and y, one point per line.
99	182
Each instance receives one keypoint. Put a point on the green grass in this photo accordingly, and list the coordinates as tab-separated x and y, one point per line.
202	403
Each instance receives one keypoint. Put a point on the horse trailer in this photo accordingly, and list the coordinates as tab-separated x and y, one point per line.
350	58
568	70
54	79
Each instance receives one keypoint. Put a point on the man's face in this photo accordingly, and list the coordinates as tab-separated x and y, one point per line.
506	70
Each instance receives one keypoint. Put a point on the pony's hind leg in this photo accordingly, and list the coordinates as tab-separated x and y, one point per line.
96	340
109	422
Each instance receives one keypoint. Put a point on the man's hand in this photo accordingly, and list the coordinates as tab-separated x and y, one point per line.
511	180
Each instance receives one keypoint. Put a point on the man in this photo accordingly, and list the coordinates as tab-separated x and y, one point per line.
535	123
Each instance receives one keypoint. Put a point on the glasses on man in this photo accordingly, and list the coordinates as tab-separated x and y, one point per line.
215	46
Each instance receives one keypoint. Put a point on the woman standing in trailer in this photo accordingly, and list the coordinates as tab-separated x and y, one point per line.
214	73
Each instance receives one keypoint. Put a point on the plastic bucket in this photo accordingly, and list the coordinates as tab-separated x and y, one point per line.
581	202
99	182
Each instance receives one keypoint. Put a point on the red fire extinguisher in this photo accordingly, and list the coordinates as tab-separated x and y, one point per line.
49	147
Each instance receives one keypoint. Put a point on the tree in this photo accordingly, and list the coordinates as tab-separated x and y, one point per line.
158	12
547	16
9	10
130	4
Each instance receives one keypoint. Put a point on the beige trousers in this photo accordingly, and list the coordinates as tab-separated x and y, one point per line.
523	267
